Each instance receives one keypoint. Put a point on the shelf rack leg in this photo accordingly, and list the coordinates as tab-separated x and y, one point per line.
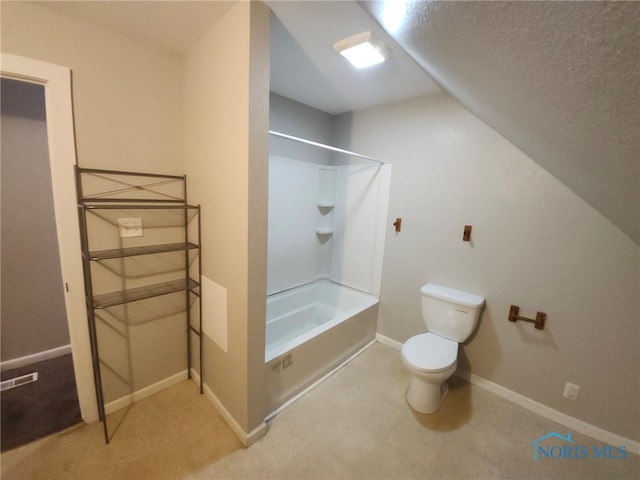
200	334
93	337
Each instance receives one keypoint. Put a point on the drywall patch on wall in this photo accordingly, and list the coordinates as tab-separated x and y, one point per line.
214	312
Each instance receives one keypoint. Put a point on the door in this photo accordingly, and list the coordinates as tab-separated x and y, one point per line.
39	395
56	81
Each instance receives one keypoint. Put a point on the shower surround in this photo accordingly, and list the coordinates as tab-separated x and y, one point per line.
326	243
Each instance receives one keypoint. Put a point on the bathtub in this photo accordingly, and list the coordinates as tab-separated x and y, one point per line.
310	330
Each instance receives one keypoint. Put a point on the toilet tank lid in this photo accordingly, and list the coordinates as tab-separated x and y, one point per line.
452	295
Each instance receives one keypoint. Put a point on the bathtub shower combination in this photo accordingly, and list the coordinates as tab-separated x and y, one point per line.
326	241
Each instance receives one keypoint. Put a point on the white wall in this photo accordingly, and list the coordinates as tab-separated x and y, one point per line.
293	243
362	196
534	244
225	92
294	118
126	93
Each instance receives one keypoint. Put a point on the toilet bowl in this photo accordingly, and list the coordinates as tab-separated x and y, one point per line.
431	361
431	358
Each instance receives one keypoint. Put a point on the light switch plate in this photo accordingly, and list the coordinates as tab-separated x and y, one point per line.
130	227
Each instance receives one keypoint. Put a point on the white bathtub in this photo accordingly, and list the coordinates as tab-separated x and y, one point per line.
297	315
312	329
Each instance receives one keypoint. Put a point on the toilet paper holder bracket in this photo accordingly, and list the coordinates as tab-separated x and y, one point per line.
538	321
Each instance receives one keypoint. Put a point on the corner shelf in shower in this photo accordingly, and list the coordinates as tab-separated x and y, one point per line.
163	262
326	210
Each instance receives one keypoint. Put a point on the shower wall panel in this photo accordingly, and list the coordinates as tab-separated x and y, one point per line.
292	224
362	195
347	203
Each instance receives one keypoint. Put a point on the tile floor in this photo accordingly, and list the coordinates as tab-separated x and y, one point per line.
354	425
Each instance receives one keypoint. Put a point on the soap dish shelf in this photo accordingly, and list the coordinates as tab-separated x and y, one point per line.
326	205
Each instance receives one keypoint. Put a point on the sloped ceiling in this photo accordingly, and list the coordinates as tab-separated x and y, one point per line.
306	68
560	80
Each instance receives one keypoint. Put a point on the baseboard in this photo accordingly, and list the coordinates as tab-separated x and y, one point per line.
388	342
247	439
536	407
34	358
195	377
144	392
551	414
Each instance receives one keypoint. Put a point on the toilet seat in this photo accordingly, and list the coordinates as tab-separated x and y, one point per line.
430	353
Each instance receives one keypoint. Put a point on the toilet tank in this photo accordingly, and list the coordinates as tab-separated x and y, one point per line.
450	313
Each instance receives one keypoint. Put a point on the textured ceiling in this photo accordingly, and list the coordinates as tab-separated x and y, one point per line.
560	80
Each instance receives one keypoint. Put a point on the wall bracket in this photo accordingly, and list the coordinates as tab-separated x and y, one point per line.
466	235
538	321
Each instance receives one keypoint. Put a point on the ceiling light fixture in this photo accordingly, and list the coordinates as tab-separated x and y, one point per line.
362	50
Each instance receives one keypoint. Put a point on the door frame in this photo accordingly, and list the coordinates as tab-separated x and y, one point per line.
62	158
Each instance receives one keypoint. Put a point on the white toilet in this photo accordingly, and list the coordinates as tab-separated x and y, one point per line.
451	316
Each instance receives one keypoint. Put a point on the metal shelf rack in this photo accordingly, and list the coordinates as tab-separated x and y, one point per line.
135	278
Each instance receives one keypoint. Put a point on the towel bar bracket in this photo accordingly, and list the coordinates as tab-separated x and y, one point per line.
539	321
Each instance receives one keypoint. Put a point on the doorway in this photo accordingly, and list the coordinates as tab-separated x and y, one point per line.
56	80
39	394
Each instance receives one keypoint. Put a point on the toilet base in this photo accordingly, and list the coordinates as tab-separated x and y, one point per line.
426	397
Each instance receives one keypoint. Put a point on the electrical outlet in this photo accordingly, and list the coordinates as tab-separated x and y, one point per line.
130	227
287	361
571	391
282	363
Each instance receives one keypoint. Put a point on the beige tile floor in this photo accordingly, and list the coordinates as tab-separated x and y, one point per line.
356	424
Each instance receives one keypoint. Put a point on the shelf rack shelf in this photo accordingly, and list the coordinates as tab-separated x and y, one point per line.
141	272
143	250
142	293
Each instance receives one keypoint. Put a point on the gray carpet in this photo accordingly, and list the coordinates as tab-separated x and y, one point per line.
37	409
